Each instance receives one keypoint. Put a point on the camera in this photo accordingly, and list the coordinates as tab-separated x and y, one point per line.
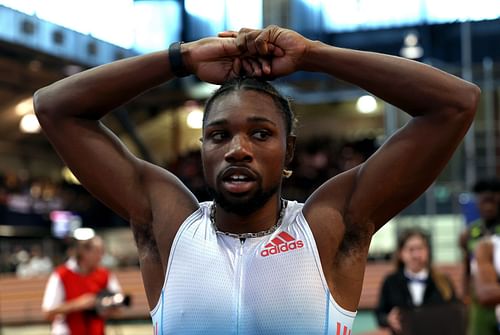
107	299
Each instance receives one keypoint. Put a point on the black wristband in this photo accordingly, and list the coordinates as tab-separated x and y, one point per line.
175	57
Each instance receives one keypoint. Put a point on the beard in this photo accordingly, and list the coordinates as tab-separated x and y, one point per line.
243	206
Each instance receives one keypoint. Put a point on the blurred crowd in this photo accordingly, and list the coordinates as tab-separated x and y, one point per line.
29	202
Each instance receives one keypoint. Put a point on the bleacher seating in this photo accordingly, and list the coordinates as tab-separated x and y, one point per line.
20	299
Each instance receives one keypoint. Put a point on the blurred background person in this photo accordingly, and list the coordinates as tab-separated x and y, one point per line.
71	298
486	287
414	284
487	199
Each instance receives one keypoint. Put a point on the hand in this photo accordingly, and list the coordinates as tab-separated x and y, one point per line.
212	59
84	302
270	52
394	320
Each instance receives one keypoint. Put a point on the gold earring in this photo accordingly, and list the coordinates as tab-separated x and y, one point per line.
287	173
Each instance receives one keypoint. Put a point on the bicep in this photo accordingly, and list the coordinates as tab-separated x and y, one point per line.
99	160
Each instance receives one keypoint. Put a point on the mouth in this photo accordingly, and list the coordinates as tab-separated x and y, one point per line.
238	179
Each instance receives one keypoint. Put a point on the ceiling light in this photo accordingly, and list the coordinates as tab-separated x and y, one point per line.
194	119
411	49
29	124
25	106
366	104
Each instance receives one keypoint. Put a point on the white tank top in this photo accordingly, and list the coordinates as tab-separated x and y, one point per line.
215	284
495	240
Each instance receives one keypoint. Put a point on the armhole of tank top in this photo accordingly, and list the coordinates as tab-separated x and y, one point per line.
310	237
197	214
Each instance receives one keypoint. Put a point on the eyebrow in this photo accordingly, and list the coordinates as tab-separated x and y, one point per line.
252	119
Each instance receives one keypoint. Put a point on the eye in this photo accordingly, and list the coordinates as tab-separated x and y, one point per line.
261	134
218	136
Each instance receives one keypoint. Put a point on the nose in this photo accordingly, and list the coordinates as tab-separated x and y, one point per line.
238	151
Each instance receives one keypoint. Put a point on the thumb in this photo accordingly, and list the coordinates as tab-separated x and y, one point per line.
276	51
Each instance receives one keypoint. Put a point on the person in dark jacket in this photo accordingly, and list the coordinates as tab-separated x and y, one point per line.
414	284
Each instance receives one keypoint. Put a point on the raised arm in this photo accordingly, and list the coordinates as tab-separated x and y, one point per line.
69	112
348	209
442	106
153	200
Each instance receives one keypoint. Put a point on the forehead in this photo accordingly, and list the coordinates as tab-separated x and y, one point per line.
242	104
415	240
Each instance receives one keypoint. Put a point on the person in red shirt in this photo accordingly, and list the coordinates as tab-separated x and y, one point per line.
72	291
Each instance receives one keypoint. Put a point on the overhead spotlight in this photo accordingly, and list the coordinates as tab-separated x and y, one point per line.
194	119
411	48
29	124
366	104
83	234
24	107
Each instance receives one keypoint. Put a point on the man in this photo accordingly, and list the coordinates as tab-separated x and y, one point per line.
485	281
487	197
71	295
251	262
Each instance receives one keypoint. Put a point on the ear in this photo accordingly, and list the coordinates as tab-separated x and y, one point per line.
290	148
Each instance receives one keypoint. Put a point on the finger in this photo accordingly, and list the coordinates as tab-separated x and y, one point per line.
261	43
245	40
276	51
228	33
236	67
252	67
265	65
247	67
257	70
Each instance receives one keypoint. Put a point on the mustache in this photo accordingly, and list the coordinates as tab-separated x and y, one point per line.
238	169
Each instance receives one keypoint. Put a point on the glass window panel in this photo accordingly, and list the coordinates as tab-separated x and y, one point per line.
243	14
157	24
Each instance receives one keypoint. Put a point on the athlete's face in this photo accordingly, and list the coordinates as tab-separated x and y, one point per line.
244	150
415	254
487	203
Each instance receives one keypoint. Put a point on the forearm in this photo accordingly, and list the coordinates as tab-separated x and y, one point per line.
93	93
64	308
412	86
488	294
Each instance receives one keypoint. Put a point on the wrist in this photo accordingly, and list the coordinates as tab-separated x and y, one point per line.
312	60
176	55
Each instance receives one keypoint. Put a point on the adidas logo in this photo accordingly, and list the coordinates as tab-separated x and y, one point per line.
284	242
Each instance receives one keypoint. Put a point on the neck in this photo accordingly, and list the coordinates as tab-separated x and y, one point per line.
261	220
421	271
83	268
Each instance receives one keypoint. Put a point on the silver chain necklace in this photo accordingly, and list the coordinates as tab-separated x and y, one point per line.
249	235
